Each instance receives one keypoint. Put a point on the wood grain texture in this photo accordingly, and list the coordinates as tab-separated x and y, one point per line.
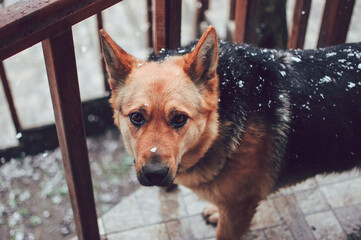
63	81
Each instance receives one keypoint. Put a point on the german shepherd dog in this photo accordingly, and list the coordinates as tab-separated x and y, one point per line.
235	123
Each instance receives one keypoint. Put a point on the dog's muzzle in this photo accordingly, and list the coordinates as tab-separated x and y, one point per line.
154	174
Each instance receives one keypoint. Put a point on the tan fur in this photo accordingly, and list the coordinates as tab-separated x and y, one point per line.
189	84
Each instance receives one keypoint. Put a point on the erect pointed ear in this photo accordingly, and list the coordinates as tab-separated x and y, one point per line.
201	63
118	63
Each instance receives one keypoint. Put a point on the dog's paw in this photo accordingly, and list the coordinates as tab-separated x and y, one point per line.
211	215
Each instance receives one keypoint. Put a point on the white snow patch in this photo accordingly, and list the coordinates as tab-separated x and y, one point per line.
330	54
283	73
153	150
351	85
296	59
359	66
19	135
325	79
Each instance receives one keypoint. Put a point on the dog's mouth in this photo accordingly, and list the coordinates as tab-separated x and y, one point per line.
155	174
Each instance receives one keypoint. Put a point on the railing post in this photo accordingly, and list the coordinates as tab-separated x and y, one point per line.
240	19
9	98
167	24
335	22
246	19
63	81
299	24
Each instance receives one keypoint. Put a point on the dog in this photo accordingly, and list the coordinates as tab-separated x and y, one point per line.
235	123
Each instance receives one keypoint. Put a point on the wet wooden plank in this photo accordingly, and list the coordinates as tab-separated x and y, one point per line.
9	98
232	7
246	20
26	23
335	22
167	24
63	81
293	217
299	24
159	25
240	20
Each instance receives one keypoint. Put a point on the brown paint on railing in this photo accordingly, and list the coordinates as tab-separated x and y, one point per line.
9	98
335	22
63	81
299	24
167	24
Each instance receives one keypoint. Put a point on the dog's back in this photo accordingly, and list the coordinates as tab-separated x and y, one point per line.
310	97
325	127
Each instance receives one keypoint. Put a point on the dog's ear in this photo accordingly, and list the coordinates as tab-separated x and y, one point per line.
118	63
201	63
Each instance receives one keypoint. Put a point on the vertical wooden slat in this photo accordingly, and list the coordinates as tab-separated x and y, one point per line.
252	22
246	20
202	6
232	7
335	22
167	24
150	23
159	25
299	24
102	62
240	20
174	11
63	81
9	98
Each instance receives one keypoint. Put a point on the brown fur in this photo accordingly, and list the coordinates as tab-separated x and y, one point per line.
189	85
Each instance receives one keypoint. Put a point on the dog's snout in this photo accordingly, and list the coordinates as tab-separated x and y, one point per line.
154	174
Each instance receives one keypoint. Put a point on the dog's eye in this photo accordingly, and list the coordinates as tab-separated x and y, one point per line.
179	121
137	119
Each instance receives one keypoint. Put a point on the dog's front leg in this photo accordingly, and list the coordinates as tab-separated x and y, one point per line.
235	218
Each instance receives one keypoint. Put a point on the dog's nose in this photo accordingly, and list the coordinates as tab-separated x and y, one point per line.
155	174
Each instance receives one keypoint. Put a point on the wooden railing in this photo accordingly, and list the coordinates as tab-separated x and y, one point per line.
26	23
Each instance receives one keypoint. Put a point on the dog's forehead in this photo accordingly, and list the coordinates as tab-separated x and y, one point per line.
159	83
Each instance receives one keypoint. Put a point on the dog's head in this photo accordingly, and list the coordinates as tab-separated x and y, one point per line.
166	111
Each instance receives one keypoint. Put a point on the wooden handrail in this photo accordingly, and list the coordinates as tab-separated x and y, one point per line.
26	23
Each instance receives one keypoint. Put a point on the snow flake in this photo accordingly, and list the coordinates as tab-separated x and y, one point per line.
296	59
153	150
330	54
359	66
325	79
351	85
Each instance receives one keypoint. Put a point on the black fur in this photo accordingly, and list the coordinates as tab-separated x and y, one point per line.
311	99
